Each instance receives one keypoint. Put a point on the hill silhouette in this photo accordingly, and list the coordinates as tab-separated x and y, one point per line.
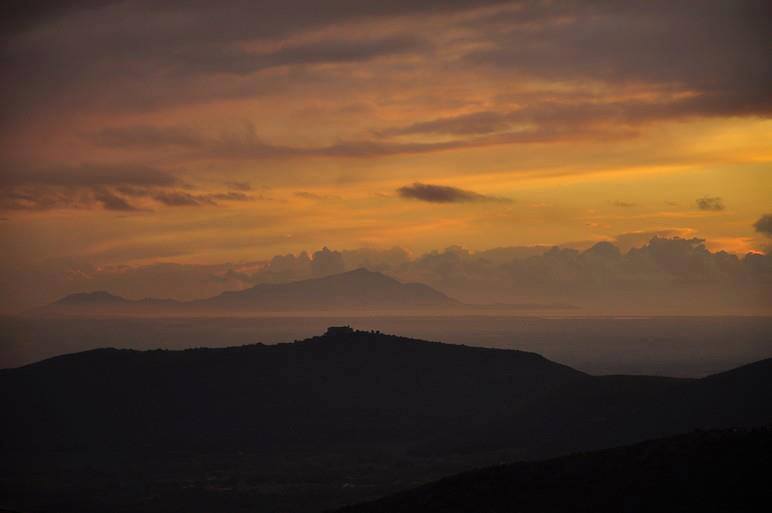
390	411
355	289
359	289
710	471
344	387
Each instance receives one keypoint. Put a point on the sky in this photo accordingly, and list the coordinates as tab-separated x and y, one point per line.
137	134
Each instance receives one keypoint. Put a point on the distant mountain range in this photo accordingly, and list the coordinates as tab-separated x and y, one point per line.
703	471
357	290
385	411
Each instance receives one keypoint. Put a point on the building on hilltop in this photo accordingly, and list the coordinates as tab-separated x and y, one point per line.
339	330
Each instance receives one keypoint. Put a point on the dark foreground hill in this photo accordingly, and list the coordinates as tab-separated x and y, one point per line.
705	472
342	388
331	420
359	289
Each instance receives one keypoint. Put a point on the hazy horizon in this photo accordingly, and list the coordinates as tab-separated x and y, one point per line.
630	275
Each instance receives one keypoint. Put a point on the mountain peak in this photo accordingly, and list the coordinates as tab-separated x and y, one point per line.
352	290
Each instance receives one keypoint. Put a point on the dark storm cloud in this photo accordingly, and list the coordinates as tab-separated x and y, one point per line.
441	194
764	225
713	204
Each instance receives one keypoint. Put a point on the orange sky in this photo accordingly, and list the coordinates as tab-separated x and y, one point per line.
137	133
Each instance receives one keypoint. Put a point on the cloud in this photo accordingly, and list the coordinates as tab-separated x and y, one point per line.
147	136
67	59
314	196
663	275
623	204
109	187
177	199
245	144
717	59
626	241
84	186
612	42
88	175
334	51
712	204
111	201
239	186
185	199
442	194
560	115
482	122
764	225
325	262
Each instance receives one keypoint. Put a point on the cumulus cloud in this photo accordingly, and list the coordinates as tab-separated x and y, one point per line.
442	194
664	274
710	203
672	274
326	262
764	225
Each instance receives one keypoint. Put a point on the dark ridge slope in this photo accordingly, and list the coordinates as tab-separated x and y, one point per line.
350	388
705	472
220	429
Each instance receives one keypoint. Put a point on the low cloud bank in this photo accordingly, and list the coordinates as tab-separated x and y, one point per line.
673	276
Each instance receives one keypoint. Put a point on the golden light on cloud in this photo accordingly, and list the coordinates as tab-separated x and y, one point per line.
285	136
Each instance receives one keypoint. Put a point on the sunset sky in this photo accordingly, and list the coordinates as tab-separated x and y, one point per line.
197	132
